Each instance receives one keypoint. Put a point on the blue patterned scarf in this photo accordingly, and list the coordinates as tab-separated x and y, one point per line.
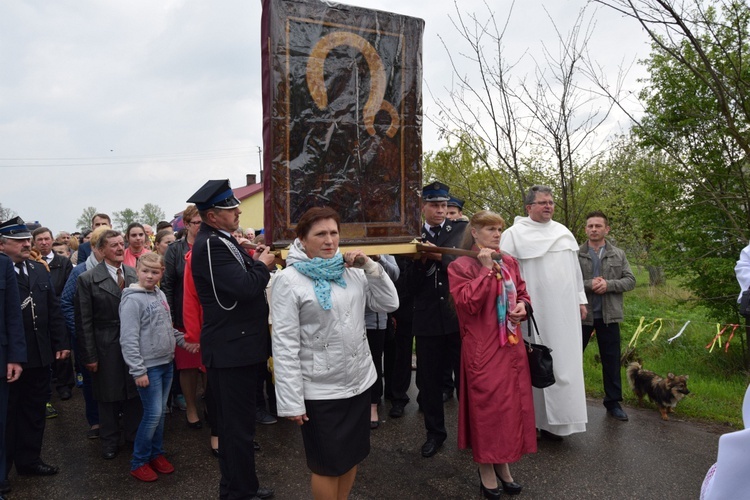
323	272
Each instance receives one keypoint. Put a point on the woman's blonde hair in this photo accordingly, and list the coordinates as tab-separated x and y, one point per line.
479	220
151	259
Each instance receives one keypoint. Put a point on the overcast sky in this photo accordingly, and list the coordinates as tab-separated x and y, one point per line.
116	104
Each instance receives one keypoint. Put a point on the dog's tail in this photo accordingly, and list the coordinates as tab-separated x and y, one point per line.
633	369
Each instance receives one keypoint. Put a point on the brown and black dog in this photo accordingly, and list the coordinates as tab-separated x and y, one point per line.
665	393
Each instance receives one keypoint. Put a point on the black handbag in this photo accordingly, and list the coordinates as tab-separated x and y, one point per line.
540	358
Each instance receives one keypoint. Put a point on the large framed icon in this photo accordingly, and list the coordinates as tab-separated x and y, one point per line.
342	118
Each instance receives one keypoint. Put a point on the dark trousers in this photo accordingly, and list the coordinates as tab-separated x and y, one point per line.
264	390
608	338
376	340
109	421
64	373
92	408
400	373
434	353
233	389
452	370
4	389
24	431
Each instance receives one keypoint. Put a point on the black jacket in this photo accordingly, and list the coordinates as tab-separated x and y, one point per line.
60	268
171	283
428	282
43	322
232	293
12	338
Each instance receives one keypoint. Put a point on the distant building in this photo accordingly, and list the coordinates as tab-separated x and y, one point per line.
251	203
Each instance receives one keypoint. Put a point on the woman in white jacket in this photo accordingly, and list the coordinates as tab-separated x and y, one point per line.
322	362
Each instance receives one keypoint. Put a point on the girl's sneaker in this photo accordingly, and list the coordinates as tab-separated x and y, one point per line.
162	465
144	473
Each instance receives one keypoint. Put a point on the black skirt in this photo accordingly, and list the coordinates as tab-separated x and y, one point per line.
337	436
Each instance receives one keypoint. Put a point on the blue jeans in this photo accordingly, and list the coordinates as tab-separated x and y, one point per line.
150	436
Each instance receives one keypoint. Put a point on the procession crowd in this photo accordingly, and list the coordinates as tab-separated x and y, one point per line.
207	320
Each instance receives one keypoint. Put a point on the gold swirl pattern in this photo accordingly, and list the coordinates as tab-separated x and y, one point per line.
375	102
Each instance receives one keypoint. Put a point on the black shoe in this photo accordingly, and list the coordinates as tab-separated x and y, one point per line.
430	447
195	425
215	452
93	433
511	488
264	493
109	453
491	493
618	413
65	394
40	469
397	411
256	445
447	396
264	418
5	486
549	436
374	424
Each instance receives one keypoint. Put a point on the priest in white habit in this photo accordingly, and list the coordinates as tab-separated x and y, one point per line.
547	253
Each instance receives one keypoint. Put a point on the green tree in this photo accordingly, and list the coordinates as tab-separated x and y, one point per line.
151	214
697	113
124	218
84	221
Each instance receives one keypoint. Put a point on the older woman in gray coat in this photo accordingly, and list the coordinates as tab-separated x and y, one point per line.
98	327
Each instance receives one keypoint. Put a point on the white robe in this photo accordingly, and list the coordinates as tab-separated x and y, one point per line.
728	477
548	256
742	270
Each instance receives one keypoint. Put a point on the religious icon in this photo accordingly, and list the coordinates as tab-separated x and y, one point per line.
342	121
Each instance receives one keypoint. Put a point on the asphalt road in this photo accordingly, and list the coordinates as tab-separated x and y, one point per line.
641	459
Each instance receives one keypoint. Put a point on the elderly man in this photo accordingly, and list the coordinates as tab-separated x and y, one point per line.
606	276
97	303
234	339
12	348
46	340
547	253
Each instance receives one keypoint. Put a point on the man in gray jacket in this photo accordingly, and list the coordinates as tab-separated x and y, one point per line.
606	275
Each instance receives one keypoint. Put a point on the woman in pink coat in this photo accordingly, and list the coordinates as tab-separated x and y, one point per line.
496	409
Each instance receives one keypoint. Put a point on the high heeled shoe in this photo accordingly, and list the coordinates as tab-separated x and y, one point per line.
511	488
491	493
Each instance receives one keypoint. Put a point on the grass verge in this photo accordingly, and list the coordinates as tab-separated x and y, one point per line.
718	379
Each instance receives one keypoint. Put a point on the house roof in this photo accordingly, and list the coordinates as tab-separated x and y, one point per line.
247	191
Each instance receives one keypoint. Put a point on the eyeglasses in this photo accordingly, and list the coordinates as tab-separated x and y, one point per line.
543	203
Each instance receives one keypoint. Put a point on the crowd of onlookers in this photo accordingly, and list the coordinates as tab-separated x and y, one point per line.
158	319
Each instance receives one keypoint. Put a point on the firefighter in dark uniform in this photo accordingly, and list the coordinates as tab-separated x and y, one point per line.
46	340
12	348
434	324
234	338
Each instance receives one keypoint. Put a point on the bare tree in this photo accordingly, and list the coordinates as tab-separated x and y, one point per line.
522	132
6	213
